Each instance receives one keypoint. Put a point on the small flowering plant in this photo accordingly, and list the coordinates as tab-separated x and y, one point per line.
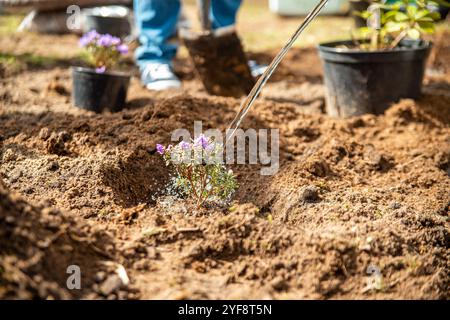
199	168
103	50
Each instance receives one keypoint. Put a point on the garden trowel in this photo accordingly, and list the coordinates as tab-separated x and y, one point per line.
218	57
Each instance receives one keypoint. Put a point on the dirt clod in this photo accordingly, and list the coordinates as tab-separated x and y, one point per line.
55	144
309	194
110	285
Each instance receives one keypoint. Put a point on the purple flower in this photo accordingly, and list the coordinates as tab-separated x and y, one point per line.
160	148
115	41
202	141
185	145
89	38
105	40
210	148
123	49
101	69
84	41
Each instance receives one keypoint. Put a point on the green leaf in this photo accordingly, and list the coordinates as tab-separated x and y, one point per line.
387	16
400	16
426	27
435	16
364	32
391	7
422	3
392	27
363	14
421	14
413	34
412	11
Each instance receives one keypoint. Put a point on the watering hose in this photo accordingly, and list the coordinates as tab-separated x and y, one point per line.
248	102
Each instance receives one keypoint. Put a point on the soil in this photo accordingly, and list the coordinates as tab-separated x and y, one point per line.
214	55
39	243
351	195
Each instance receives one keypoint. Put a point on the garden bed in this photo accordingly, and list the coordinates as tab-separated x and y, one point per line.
350	194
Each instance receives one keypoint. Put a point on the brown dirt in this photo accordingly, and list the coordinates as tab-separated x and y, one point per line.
350	194
39	243
214	56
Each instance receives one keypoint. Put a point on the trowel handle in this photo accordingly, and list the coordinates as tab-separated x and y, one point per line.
204	6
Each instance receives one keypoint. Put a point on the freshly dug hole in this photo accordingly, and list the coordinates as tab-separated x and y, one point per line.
136	178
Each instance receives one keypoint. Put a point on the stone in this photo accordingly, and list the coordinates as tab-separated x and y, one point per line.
110	285
279	284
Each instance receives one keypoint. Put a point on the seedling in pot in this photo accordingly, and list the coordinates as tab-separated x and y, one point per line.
103	51
199	171
389	24
101	87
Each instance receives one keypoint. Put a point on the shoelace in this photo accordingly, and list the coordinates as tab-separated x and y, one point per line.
157	71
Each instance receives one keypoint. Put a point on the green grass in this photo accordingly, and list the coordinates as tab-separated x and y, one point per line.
27	59
11	64
9	23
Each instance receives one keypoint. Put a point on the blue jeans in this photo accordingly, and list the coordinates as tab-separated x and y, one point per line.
156	21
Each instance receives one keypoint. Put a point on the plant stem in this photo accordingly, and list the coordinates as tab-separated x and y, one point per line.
374	41
397	39
189	177
203	184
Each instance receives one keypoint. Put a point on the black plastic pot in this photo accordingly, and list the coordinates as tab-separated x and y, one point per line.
443	12
99	91
360	82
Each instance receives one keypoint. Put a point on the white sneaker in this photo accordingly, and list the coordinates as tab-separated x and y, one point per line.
256	68
159	76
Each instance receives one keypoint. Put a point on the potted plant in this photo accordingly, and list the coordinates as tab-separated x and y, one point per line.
99	88
384	63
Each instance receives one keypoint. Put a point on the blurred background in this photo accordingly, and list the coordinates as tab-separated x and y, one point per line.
262	24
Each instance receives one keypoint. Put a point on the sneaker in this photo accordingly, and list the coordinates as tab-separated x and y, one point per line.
159	76
256	69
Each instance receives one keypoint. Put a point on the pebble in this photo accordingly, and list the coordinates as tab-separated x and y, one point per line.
100	276
394	205
15	176
152	253
110	285
44	134
278	284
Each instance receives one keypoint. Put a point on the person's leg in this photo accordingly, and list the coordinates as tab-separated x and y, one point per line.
156	22
223	12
